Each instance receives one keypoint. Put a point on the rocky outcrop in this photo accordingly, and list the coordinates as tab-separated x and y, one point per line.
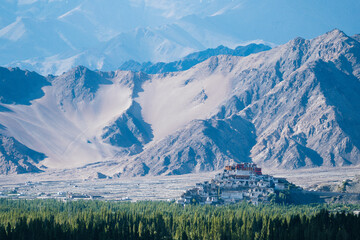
17	158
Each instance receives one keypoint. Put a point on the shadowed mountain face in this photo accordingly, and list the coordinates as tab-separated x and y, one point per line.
356	37
17	158
294	106
129	131
20	87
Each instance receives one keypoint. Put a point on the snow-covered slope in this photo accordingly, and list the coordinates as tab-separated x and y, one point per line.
54	36
294	106
66	123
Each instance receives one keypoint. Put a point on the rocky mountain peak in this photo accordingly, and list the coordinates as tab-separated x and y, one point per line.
78	84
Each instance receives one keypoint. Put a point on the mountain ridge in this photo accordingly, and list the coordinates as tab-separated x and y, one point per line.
192	59
294	106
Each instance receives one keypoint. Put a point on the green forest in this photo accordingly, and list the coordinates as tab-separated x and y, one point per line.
52	219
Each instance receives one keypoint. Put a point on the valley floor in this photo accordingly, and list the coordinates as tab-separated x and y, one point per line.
311	178
59	184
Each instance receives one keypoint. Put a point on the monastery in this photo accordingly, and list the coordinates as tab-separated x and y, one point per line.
238	182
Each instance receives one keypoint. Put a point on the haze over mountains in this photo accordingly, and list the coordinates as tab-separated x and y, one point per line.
294	106
52	36
191	59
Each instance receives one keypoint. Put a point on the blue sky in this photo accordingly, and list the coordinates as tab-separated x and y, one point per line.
279	21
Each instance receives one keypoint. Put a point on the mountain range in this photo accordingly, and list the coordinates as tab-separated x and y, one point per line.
53	36
191	59
294	106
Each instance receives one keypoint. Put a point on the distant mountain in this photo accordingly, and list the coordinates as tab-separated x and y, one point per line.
102	35
192	59
294	106
51	37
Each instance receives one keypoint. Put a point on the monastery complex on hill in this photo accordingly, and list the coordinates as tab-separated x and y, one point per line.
239	182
